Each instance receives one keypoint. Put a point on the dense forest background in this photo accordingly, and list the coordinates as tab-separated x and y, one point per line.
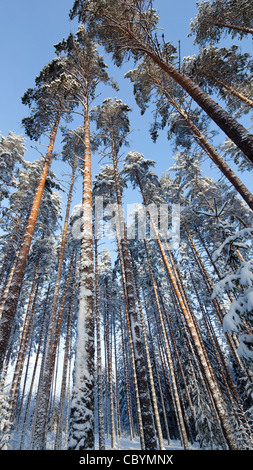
142	330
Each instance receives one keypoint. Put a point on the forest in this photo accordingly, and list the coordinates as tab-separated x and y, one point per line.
123	320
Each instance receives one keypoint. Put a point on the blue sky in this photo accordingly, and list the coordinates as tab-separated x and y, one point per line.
28	31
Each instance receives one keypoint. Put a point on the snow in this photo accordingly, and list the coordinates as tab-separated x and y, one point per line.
246	276
125	443
232	238
245	348
231	321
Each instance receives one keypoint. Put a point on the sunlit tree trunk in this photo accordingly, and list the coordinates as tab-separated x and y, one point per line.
234	130
23	342
209	375
209	286
231	90
43	396
139	415
183	432
82	406
176	351
150	371
101	426
11	302
209	149
66	360
145	402
29	398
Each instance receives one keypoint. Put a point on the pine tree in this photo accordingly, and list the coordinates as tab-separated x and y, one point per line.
73	149
209	375
226	71
12	151
238	280
129	29
172	109
218	18
82	62
113	126
48	96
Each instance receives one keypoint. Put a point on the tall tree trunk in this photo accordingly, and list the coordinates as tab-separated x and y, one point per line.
160	388
127	385
150	371
231	90
221	409
116	382
146	406
210	150
82	406
66	359
23	342
183	432
43	397
17	378
175	348
11	303
108	346
34	370
46	375
101	425
209	286
234	130
138	405
230	386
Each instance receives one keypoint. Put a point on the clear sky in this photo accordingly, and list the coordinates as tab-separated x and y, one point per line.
28	31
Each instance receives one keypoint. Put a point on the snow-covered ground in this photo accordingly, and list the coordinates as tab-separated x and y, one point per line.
125	443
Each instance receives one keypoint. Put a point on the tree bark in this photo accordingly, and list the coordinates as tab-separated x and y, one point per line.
209	375
82	408
43	396
66	360
101	425
183	432
211	151
145	401
11	303
243	29
234	130
231	90
150	371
